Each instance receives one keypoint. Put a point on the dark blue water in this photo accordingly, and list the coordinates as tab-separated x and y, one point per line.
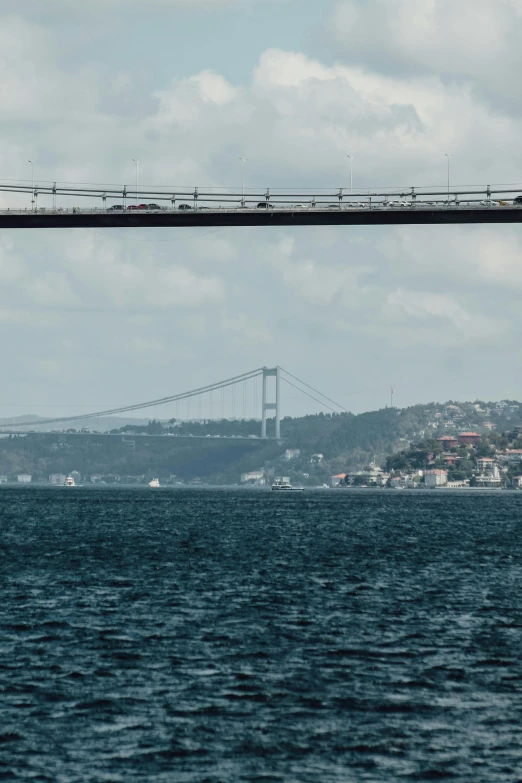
207	636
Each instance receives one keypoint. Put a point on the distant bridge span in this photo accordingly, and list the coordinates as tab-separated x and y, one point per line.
266	374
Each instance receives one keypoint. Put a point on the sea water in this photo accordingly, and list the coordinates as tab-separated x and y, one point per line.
208	636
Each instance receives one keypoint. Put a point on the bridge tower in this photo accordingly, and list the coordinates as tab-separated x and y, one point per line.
271	406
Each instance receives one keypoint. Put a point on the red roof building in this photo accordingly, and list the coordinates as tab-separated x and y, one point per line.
448	442
469	438
450	459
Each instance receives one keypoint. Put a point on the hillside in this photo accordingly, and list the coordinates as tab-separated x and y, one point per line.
314	447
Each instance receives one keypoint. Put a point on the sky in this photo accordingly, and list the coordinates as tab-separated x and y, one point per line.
92	319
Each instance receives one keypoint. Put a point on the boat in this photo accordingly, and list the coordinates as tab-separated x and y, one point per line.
69	482
154	483
283	485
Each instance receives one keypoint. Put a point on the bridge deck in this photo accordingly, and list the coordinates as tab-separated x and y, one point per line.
417	215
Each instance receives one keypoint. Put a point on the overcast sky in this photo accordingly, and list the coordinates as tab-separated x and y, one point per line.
98	318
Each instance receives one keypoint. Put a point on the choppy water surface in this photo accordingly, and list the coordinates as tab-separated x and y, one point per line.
211	636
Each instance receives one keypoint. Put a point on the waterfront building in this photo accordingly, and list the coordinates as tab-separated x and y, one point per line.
57	479
435	478
254	477
369	478
402	482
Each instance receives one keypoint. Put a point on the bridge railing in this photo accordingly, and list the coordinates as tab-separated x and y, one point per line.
171	198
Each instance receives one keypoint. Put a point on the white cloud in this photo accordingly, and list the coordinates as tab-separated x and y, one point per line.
333	302
475	41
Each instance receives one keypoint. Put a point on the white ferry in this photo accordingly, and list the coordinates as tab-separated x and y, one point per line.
283	485
154	483
69	482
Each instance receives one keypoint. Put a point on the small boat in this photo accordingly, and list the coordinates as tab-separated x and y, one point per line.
69	482
283	485
154	483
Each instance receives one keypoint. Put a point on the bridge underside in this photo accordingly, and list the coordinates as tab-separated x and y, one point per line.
263	217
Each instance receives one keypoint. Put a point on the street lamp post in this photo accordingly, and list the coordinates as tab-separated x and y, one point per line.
350	158
32	184
243	161
137	162
449	158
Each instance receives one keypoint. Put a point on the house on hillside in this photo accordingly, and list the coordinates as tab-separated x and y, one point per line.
485	464
469	438
511	456
448	442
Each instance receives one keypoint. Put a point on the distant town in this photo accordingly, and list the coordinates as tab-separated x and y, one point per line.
435	446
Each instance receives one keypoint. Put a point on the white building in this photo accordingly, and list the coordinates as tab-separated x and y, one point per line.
24	478
510	456
491	479
485	464
372	478
58	479
435	478
517	482
292	454
254	477
404	482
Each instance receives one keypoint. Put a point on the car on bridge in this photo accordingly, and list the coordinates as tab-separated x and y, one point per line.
116	208
265	205
184	206
518	200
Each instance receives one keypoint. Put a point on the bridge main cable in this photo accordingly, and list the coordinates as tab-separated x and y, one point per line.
142	405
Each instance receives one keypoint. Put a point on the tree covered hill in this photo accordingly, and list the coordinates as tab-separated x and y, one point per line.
346	442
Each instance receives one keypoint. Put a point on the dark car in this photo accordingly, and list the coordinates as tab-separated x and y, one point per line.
184	206
517	200
116	207
265	205
154	206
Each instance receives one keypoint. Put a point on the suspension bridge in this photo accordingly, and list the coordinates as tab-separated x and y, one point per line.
55	205
270	379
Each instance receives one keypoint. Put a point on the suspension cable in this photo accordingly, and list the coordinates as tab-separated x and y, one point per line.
309	395
314	390
151	403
